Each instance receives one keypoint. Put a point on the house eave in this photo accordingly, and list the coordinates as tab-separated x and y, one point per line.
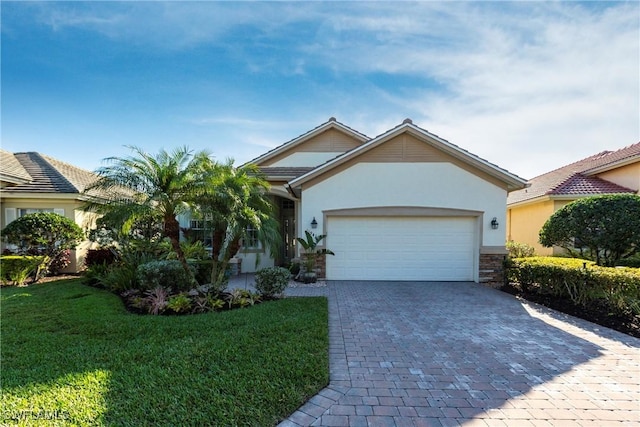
41	196
531	201
612	166
16	180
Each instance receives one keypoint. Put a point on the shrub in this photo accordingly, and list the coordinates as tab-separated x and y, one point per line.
179	303
156	300
99	257
240	298
43	233
16	269
118	278
630	262
294	268
603	228
583	282
519	250
272	281
165	274
202	270
60	261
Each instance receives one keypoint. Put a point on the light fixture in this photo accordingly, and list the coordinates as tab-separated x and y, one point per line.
314	223
494	223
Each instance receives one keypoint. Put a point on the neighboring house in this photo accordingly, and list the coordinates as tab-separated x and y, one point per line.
405	205
32	182
609	172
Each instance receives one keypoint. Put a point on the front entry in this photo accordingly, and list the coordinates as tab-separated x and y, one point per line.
287	219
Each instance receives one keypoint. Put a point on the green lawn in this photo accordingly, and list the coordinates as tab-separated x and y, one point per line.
72	355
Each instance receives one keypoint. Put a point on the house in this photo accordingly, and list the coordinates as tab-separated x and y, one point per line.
608	172
32	182
405	205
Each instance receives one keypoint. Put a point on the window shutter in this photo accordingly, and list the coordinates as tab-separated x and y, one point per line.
10	215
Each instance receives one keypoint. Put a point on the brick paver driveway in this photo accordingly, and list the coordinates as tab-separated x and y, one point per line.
432	354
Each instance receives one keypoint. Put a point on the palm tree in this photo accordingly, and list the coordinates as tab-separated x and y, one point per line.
161	183
234	201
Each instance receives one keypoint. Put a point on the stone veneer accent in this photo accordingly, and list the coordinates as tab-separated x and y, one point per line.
492	270
322	266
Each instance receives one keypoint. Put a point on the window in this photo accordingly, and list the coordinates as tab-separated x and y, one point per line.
11	214
251	239
23	212
199	230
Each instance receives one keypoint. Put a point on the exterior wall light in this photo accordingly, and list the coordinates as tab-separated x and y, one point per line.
314	223
494	223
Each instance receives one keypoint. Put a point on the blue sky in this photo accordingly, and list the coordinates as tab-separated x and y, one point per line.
530	86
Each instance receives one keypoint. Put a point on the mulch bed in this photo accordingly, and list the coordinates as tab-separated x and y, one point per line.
628	324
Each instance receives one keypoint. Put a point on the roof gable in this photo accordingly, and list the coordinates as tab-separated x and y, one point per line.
330	137
410	143
567	179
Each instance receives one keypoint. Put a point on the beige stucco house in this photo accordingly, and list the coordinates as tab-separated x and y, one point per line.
405	205
609	172
32	182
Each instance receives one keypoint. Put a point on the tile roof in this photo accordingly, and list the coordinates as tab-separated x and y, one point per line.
581	184
11	170
49	175
576	178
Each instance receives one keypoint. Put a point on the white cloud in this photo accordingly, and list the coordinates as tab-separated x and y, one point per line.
530	86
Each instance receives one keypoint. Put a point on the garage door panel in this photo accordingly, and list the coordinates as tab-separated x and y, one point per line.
396	248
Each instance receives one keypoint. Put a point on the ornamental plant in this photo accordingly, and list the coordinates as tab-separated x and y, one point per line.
272	281
605	229
165	274
43	233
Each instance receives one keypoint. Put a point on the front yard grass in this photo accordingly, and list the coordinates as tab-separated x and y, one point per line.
72	355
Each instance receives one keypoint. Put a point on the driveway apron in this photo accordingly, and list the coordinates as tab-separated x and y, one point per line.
449	354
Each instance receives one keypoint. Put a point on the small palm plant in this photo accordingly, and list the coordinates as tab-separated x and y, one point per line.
312	253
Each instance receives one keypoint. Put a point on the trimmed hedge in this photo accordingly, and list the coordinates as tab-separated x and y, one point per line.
272	281
583	282
16	269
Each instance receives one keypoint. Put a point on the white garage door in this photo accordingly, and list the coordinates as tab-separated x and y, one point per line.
401	248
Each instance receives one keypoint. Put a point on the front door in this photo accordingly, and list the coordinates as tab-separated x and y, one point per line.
288	232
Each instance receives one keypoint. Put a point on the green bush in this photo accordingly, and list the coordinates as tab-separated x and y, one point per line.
17	269
44	233
168	274
272	281
519	250
179	303
630	262
202	270
583	282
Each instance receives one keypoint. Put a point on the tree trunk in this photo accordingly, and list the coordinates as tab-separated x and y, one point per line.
172	231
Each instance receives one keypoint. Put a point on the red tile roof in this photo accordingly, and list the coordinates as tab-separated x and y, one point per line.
576	178
581	184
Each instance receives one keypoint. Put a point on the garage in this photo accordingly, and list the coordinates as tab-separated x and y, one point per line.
402	248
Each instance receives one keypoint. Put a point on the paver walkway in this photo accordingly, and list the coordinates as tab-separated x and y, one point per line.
448	354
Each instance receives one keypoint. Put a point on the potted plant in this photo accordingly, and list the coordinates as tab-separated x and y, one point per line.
309	274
